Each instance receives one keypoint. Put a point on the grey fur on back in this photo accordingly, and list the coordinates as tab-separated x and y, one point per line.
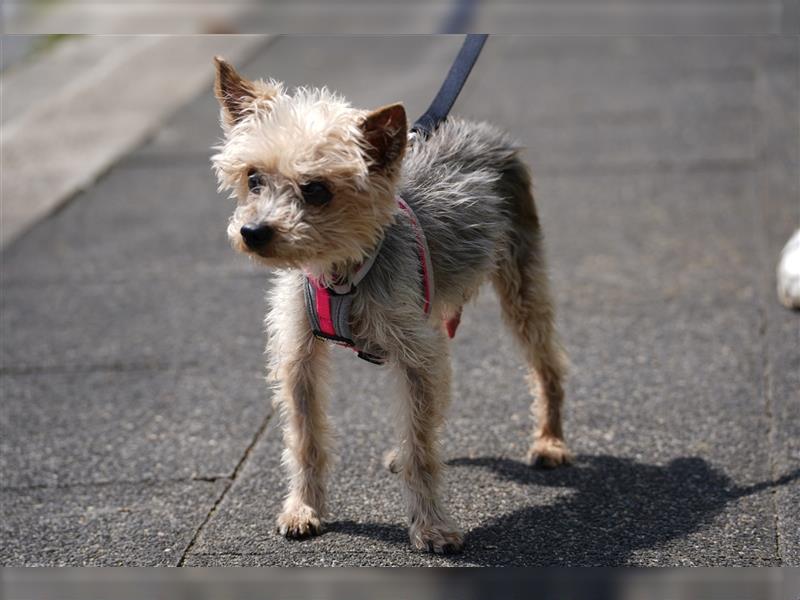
461	183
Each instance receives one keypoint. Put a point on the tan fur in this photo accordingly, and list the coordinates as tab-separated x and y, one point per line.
300	368
521	283
426	395
291	139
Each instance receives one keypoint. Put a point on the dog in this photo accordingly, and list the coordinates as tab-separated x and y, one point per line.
323	188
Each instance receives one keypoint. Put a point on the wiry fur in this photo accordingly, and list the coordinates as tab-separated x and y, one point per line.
290	139
472	197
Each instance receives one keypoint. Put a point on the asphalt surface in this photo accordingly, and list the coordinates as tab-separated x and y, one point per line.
136	428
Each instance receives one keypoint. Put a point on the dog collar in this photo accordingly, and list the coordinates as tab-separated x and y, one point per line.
328	307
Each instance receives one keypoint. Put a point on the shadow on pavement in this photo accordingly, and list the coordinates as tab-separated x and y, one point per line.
613	507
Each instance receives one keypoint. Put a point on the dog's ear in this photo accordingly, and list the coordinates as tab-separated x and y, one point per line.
236	94
385	132
233	92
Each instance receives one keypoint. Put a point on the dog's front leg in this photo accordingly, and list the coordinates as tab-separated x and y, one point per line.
426	390
302	369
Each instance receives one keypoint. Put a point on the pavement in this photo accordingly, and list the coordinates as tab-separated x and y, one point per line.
539	17
78	110
136	428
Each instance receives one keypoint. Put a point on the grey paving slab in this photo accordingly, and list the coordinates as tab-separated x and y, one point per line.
135	223
131	525
602	103
609	73
565	18
783	339
277	17
640	18
778	189
100	427
201	321
653	235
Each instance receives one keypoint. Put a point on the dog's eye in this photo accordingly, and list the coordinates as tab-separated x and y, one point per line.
255	181
316	193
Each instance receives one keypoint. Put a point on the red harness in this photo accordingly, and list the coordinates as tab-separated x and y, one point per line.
328	308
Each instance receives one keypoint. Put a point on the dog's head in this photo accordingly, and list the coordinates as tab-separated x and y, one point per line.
313	177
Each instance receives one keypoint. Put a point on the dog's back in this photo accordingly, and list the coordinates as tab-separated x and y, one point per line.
471	192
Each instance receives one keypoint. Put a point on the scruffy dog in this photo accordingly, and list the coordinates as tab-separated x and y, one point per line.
320	187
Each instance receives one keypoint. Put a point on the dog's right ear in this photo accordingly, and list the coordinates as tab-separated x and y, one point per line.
237	95
233	92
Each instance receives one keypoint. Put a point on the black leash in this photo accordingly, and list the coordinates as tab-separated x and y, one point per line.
451	88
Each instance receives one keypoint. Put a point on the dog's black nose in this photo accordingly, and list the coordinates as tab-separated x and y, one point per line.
256	235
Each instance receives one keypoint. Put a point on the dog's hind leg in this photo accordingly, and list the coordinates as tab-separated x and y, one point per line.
522	285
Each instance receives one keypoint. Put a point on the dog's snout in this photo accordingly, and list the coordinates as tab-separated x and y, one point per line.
256	235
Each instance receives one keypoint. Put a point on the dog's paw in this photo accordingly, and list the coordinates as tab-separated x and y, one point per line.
549	453
441	538
299	522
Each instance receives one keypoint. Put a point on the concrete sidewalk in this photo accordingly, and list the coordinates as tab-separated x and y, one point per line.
136	428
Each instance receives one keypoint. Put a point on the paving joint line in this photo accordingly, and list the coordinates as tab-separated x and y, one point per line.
236	471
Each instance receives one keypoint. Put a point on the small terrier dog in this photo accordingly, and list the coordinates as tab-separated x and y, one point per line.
319	187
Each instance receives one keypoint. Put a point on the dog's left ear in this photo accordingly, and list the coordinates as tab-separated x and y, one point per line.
385	133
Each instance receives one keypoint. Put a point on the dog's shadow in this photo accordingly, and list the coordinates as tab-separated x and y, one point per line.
613	508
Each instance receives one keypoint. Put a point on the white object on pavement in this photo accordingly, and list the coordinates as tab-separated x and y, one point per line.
789	273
